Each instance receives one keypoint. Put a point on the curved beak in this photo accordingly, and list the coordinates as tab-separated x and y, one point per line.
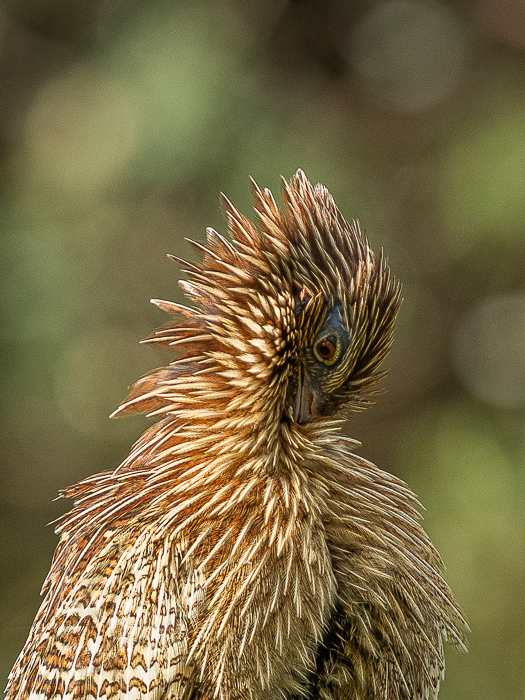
304	398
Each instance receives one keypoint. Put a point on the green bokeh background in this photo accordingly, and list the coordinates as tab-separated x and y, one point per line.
121	121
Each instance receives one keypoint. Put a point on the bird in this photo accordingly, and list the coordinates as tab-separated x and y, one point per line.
244	550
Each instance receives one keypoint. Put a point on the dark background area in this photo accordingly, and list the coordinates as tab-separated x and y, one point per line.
121	121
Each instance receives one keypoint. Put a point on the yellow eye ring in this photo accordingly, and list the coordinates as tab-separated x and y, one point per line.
327	349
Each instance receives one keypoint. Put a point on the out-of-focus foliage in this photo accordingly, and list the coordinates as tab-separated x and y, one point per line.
121	120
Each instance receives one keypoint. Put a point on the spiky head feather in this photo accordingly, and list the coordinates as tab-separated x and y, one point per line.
262	300
243	551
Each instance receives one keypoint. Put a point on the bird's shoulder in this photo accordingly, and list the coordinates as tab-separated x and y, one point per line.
117	626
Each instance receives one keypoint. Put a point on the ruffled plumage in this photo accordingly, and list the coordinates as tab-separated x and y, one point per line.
243	551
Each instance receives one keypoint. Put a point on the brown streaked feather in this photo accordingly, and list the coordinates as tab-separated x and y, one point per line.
242	552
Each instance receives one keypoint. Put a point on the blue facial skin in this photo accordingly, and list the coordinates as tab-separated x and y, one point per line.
311	391
335	332
317	381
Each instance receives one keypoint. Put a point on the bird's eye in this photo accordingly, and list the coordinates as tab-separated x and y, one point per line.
327	349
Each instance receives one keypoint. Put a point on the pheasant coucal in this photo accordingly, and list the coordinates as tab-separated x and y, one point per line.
243	551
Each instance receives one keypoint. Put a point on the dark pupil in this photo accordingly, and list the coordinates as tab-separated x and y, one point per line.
326	349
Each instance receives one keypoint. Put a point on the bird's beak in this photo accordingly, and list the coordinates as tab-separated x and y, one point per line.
303	399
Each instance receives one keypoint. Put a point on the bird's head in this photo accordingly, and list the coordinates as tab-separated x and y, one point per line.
291	322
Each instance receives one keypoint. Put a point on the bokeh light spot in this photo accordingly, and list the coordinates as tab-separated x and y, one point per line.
489	350
80	130
409	54
182	79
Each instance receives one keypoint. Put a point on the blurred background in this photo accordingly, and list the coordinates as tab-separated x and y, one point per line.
120	123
